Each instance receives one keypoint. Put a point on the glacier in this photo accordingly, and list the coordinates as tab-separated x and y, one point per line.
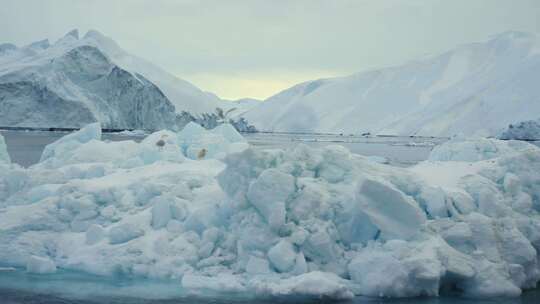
316	222
79	80
526	130
476	89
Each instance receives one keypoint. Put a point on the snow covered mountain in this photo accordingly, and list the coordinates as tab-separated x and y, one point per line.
235	108
477	88
76	81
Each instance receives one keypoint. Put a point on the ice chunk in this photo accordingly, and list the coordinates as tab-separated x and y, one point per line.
378	274
282	256
40	265
476	149
257	265
219	283
161	212
94	234
69	142
399	269
300	265
179	208
269	192
320	246
199	143
208	242
190	134
489	282
208	146
267	221
312	284
434	201
4	156
336	163
355	226
161	145
511	184
175	226
124	233
229	133
396	215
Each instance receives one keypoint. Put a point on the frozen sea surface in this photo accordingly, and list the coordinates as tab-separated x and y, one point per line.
25	148
18	287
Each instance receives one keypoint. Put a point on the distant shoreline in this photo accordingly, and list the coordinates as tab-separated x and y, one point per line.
108	130
55	129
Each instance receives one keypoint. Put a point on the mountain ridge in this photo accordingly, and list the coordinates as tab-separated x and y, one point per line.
94	77
421	97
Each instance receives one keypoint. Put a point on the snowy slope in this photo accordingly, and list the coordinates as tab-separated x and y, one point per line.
76	81
183	95
477	88
235	108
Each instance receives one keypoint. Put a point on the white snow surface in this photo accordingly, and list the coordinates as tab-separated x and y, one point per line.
475	89
304	221
475	149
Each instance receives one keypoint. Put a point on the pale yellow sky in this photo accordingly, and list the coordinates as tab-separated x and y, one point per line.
252	84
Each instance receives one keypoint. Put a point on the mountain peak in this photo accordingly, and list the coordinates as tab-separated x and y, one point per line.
73	33
71	36
42	44
511	37
106	44
514	35
94	34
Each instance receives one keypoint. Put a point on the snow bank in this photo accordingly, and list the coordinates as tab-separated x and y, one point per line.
476	149
308	222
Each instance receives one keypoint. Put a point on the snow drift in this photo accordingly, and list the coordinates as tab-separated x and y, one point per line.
77	81
311	222
476	88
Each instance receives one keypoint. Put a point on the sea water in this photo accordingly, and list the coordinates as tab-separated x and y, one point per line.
63	287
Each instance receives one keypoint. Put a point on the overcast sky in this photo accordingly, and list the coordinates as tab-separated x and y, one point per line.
255	48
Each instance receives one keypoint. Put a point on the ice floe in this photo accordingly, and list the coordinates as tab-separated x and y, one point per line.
304	221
